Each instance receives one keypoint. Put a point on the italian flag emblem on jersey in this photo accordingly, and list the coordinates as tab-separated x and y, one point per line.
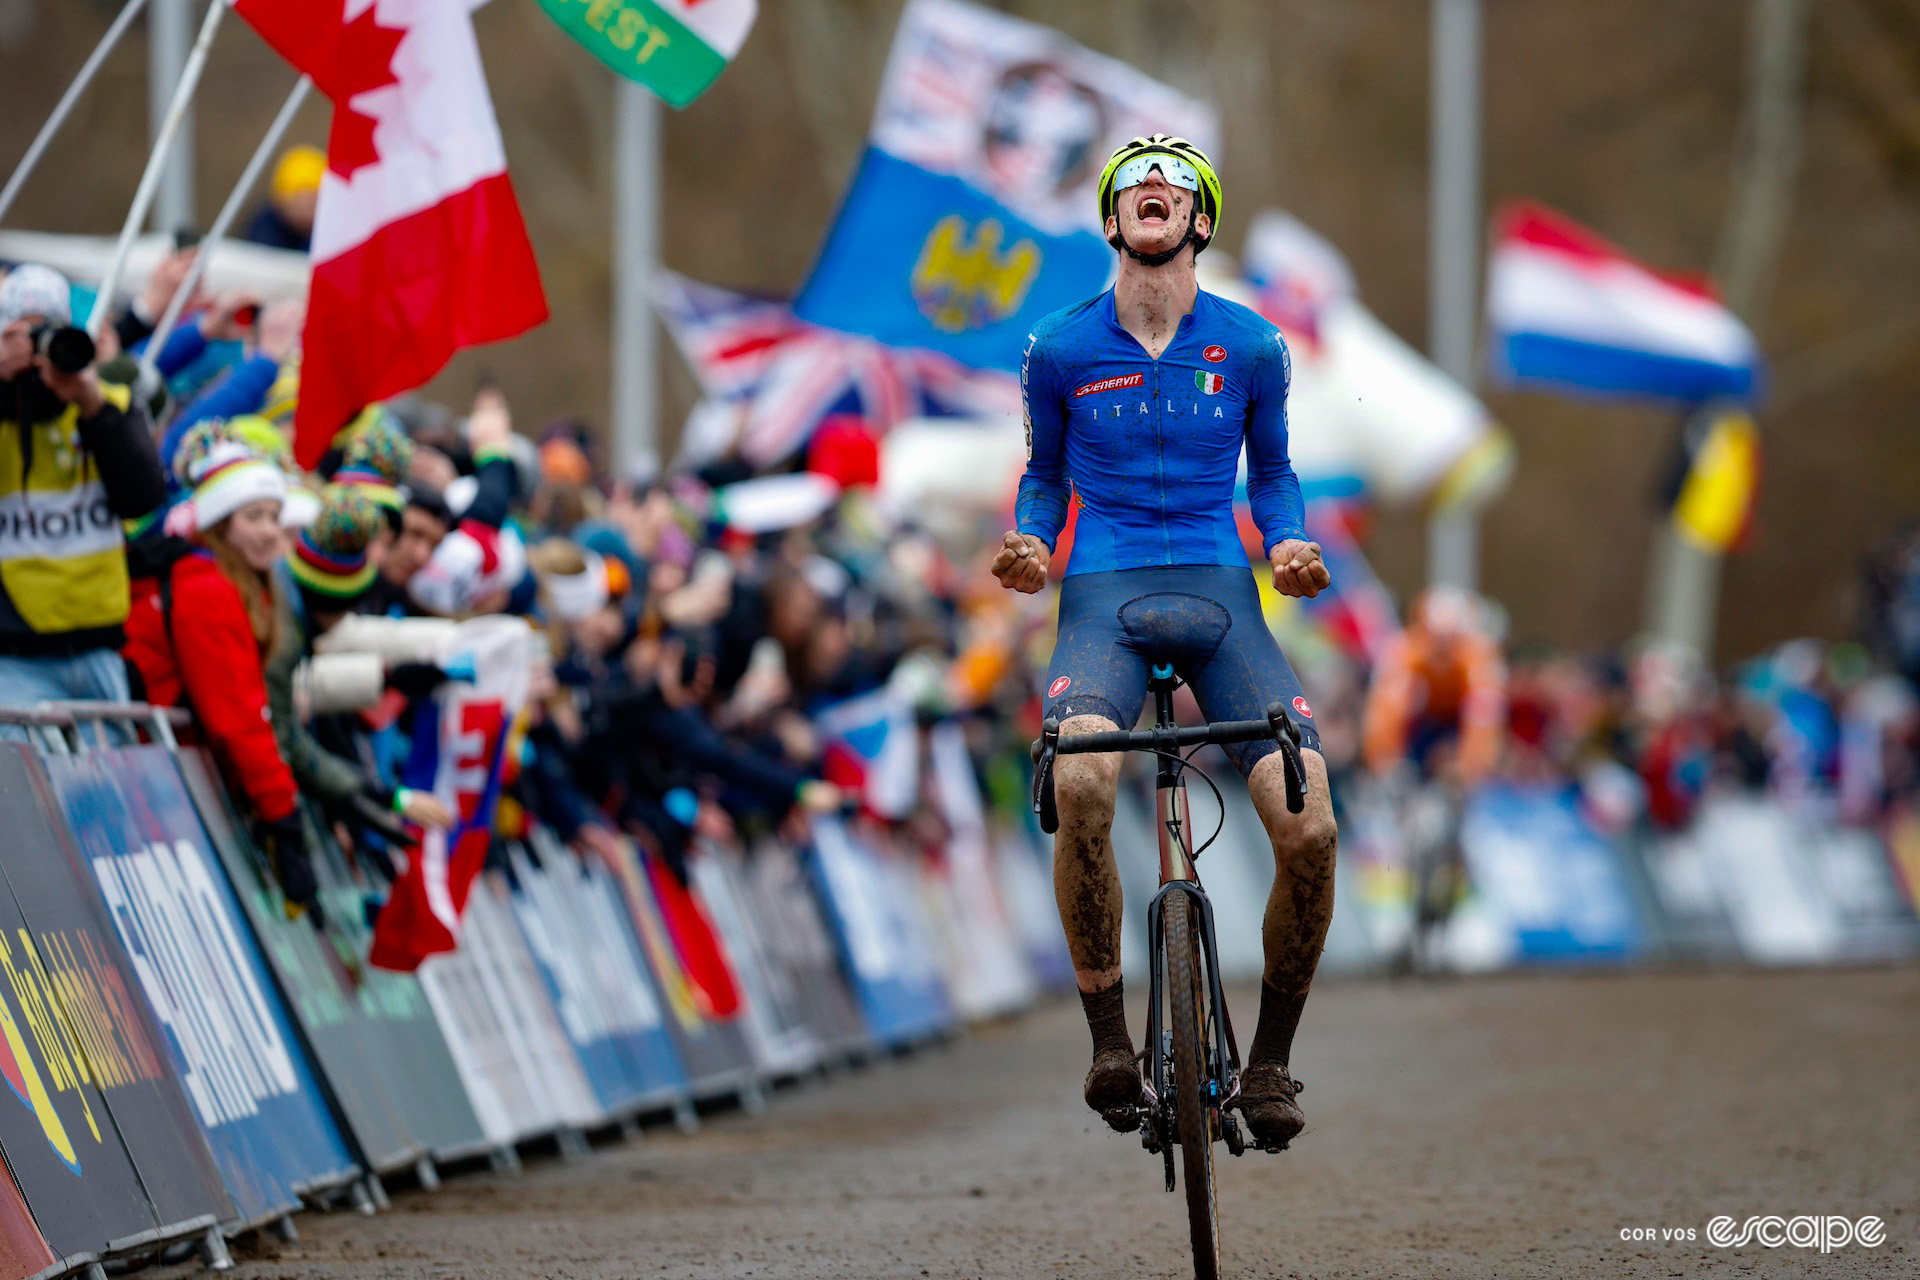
1211	383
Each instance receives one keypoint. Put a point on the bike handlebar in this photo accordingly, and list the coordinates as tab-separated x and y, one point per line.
1278	726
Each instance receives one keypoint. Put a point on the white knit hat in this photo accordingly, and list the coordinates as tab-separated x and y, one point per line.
228	478
33	290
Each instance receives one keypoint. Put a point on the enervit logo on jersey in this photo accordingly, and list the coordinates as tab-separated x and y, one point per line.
1825	1232
1111	384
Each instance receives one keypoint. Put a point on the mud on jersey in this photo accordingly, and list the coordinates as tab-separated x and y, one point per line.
1152	447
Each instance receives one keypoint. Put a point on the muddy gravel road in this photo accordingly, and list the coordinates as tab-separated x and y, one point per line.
1490	1127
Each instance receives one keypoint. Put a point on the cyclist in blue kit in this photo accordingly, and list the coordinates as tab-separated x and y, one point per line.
1140	402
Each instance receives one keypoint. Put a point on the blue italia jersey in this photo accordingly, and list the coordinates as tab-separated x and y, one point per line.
1153	446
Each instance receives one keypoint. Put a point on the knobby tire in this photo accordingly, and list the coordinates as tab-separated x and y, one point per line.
1189	1084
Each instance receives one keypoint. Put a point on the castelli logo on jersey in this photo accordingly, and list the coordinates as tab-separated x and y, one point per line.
1214	355
1300	705
1112	384
1059	686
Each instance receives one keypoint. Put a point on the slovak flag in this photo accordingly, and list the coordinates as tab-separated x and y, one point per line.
1567	310
418	245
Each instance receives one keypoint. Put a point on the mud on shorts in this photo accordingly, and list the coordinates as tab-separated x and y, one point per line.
1204	619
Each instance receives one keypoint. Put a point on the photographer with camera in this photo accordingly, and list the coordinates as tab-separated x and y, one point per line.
74	463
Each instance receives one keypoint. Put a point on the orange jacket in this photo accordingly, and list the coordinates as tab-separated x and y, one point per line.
1419	680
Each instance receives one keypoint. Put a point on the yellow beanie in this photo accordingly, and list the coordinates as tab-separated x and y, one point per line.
299	171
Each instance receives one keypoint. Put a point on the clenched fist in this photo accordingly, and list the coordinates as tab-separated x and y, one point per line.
1022	562
1298	569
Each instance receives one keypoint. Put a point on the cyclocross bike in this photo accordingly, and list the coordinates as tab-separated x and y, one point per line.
1191	1062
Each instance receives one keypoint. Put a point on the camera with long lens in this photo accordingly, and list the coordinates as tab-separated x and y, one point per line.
67	349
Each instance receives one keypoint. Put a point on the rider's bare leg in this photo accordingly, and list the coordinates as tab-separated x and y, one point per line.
1085	881
1086	884
1299	909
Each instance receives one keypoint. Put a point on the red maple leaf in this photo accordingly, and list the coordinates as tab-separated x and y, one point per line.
363	60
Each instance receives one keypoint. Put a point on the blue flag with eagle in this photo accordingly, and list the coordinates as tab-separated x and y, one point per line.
972	213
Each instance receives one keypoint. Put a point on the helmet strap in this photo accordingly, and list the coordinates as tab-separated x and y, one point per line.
1161	259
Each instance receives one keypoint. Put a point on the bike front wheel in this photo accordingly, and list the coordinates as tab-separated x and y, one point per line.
1191	1109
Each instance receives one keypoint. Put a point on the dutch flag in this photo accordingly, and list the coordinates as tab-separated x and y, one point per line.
1567	310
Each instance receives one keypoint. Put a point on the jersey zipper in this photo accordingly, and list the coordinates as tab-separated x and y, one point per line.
1160	465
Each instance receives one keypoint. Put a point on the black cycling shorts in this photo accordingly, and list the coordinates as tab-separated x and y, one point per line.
1204	619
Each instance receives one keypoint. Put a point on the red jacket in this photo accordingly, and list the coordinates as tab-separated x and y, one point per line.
219	665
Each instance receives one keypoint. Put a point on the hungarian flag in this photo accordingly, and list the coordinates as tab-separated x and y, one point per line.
418	245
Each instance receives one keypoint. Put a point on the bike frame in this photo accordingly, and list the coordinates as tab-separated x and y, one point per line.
1178	875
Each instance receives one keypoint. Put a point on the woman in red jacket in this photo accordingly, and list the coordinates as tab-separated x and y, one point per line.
200	640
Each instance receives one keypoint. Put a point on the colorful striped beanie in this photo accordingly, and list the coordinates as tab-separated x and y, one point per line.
329	556
224	472
377	459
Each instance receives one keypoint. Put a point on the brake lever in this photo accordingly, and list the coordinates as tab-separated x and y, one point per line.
1043	750
1287	734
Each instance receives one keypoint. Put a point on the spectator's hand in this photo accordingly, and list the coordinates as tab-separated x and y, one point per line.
1022	563
1298	569
422	810
219	322
714	823
601	843
165	282
823	797
284	841
280	325
415	679
700	602
490	426
81	389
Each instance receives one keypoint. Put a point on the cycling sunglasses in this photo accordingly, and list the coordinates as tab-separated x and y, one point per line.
1176	171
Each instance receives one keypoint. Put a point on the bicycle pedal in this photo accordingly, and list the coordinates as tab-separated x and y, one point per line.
1122	1119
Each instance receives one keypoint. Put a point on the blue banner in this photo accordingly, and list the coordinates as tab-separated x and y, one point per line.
228	1034
900	990
923	259
1548	877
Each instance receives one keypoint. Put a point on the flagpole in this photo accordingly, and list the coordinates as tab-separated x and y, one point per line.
156	163
64	107
169	23
1453	252
636	357
221	222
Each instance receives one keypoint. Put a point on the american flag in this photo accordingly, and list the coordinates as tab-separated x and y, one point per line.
784	376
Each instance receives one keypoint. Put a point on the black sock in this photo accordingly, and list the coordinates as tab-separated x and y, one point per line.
1279	1018
1107	1018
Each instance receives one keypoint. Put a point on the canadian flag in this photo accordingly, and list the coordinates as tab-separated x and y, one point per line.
418	245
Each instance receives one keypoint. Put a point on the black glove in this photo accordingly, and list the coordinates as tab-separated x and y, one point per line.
284	841
415	679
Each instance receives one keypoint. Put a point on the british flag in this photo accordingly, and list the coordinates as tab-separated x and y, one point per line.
782	377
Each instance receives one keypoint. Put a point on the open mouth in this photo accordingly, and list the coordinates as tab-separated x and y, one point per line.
1153	209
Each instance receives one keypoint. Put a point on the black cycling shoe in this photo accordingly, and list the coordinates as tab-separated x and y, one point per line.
1113	1088
1266	1100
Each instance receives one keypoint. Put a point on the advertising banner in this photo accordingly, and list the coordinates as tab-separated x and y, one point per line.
592	965
974	211
22	1251
523	1076
408	1052
782	1045
1551	883
76	1038
713	1049
316	987
883	936
797	938
245	1072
